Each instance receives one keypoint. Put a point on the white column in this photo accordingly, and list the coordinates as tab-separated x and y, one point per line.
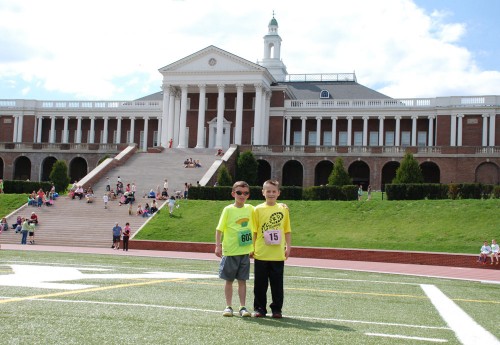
39	130
381	130
453	131
132	131
182	122
52	130
118	129
430	141
177	116
20	129
105	131
349	130
14	136
397	131
163	129
239	114
485	130
65	130
159	130
460	119
78	130
265	115
257	117
200	143
288	129
365	130
414	130
492	129
303	131
318	130
145	137
334	130
171	115
220	116
92	130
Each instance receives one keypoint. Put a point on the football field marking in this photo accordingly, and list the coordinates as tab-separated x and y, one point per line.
432	340
468	331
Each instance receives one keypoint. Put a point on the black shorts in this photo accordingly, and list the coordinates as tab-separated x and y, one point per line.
116	238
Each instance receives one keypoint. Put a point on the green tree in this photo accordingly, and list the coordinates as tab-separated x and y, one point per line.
59	176
247	168
224	177
409	171
339	176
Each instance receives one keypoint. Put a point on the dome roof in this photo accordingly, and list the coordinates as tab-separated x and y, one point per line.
273	22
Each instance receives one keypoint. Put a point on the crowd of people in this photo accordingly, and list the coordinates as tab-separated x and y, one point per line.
24	225
190	163
489	251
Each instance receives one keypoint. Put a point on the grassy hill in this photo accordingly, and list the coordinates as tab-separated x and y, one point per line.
428	225
456	226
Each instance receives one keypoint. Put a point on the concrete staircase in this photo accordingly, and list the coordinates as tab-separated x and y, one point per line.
78	223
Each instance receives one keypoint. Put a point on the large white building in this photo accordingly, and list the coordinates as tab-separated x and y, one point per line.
295	124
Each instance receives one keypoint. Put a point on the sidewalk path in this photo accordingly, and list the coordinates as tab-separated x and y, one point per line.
472	274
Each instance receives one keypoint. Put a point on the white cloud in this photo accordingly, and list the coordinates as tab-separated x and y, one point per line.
113	49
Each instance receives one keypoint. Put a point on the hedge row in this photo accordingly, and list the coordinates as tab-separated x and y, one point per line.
419	191
287	193
25	187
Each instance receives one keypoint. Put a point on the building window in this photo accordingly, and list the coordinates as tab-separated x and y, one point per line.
373	138
155	138
342	138
141	139
324	94
114	137
188	105
405	138
422	138
358	138
389	138
327	138
312	138
297	138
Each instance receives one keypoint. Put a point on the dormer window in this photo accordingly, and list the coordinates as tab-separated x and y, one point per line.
324	94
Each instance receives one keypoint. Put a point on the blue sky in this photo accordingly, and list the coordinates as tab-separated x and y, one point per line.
112	50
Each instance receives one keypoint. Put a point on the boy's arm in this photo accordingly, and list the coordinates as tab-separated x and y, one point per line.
288	240
218	243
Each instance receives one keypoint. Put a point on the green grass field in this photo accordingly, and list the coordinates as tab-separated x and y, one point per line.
458	226
137	300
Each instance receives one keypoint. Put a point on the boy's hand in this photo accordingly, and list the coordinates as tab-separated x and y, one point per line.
284	205
218	250
287	252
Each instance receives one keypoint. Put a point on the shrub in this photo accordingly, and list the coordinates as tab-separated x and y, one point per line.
339	176
409	171
223	177
247	168
59	176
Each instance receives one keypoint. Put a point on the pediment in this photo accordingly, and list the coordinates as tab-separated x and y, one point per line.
211	60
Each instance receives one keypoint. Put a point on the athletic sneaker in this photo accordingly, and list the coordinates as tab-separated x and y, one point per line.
244	312
277	315
259	313
228	311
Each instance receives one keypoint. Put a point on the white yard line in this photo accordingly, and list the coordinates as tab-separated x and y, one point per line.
142	305
468	331
433	340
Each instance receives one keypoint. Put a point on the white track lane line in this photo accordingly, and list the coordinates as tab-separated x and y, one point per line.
432	340
467	331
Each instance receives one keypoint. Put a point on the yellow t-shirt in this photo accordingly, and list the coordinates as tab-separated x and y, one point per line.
236	225
271	225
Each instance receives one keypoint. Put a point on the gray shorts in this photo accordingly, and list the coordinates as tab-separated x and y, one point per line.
235	267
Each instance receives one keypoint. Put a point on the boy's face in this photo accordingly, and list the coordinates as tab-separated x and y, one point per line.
271	193
240	195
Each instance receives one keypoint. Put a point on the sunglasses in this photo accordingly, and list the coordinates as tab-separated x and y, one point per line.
242	193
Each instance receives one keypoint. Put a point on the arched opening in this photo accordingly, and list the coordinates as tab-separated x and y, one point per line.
1	168
293	174
359	171
22	168
263	171
77	168
47	165
487	173
430	172
388	173
322	172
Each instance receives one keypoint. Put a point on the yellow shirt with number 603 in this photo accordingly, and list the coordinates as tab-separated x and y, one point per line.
236	224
